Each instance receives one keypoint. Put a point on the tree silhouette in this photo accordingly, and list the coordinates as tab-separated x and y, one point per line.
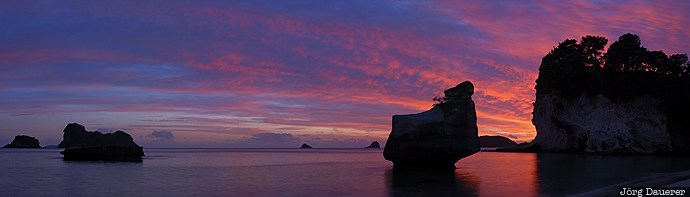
656	61
571	69
626	54
592	47
629	71
678	64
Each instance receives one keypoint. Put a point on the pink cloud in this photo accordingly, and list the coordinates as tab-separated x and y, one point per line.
307	69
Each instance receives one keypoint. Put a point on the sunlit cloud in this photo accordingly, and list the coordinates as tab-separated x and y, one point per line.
215	73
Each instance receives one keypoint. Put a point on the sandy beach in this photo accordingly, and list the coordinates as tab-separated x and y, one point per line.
674	179
683	183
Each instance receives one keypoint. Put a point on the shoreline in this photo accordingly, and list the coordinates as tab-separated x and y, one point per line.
671	179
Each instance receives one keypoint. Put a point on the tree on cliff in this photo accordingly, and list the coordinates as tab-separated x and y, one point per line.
625	55
677	65
592	47
572	68
629	71
628	55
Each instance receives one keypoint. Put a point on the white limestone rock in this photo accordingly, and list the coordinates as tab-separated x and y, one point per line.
595	124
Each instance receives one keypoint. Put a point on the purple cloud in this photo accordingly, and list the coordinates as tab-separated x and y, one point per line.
217	71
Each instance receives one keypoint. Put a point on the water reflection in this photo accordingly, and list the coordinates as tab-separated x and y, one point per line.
503	174
431	183
103	161
530	174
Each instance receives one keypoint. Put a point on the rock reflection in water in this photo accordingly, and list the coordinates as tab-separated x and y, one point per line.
431	183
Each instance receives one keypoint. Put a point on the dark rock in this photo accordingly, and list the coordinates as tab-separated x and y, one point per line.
435	139
51	147
75	135
80	144
305	146
23	141
104	153
495	141
374	144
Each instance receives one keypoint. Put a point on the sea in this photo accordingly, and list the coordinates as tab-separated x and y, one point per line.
323	172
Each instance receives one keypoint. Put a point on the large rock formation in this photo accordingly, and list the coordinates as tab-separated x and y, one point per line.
495	141
630	106
435	139
23	141
80	144
75	135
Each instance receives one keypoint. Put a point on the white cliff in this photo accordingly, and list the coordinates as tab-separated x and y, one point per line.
595	124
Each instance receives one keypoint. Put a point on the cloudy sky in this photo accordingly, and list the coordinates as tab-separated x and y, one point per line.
281	73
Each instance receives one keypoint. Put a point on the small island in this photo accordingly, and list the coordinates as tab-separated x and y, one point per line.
374	144
305	146
495	141
23	141
80	144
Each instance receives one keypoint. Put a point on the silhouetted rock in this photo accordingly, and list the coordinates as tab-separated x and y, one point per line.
80	144
635	104
374	144
305	146
75	135
23	141
435	139
105	153
495	141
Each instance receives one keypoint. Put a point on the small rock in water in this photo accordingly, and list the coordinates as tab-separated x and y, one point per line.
374	144
305	146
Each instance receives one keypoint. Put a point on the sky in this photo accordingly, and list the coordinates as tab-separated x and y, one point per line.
282	73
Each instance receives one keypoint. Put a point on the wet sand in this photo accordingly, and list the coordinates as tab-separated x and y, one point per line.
674	179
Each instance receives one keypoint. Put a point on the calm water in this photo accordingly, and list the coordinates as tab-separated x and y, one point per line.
316	172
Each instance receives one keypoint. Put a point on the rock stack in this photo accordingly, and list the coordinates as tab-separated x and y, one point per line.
435	139
80	144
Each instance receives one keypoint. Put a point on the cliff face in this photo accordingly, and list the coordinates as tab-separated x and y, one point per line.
595	124
627	100
437	138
